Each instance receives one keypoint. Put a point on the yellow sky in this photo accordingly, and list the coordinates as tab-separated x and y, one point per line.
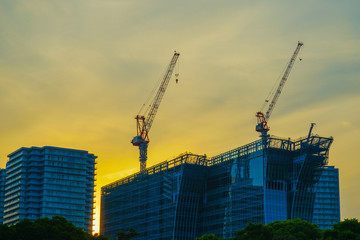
75	73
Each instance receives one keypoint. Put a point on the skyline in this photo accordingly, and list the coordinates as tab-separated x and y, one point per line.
75	73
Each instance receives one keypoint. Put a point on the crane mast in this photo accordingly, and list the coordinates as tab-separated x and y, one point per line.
262	119
143	124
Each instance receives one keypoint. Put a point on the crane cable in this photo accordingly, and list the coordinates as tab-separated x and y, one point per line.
152	93
273	89
177	71
150	97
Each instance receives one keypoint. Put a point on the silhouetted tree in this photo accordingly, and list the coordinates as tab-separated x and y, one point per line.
295	229
209	237
57	228
99	237
349	229
252	231
127	235
6	232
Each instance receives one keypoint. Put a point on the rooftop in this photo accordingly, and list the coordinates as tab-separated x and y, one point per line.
253	147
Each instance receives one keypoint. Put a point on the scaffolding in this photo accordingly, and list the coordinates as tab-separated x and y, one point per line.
186	158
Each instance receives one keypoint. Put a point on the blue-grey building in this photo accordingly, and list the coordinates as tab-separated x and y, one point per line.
50	181
327	201
2	193
192	195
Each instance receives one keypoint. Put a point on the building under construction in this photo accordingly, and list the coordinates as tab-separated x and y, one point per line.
191	195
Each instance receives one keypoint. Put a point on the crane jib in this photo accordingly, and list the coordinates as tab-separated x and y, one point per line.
262	119
157	100
283	80
144	123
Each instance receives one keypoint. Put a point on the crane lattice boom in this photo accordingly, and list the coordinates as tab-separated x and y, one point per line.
263	119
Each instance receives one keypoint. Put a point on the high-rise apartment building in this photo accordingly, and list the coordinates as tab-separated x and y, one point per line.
50	181
193	195
327	201
2	193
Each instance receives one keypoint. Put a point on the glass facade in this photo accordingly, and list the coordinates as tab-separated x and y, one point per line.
50	181
162	203
327	201
235	191
192	195
2	193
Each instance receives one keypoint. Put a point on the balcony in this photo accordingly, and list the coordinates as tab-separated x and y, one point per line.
12	208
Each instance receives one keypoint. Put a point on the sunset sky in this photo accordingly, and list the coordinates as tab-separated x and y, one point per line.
74	74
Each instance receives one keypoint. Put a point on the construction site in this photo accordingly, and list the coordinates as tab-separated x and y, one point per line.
272	178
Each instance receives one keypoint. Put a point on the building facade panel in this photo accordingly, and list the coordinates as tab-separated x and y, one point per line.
327	201
2	193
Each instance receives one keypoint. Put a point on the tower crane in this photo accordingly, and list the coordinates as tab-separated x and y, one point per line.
143	124
262	119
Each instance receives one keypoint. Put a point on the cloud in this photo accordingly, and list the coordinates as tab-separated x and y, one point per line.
75	73
346	124
119	174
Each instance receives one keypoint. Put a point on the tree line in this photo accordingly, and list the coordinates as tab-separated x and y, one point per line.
295	229
58	228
